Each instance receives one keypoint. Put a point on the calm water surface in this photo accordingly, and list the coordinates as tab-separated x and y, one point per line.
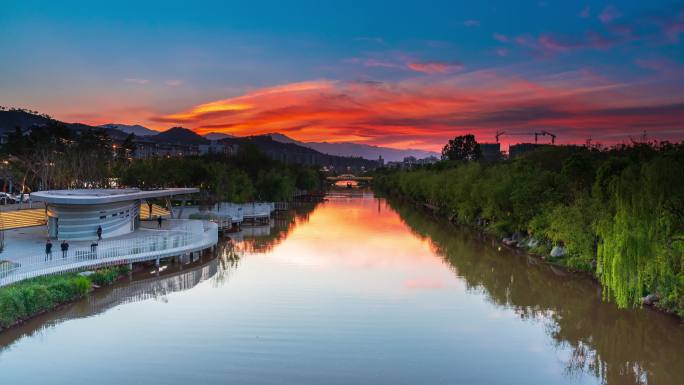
351	291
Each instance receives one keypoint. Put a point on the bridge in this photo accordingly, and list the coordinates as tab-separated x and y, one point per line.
349	177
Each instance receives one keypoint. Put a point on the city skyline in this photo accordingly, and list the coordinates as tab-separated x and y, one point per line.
389	74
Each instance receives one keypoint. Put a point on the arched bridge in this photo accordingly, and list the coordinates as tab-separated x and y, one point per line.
346	177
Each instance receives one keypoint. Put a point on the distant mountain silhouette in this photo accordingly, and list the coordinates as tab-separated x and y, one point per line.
25	119
356	150
179	135
217	136
136	129
11	119
296	152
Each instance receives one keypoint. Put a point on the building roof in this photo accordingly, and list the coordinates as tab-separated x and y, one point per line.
100	196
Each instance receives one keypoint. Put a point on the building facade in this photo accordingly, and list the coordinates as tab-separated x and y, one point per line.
77	214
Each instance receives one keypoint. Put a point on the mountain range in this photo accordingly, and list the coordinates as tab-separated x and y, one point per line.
338	148
25	119
136	129
356	149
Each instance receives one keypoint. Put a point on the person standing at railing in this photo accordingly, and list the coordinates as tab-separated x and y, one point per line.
99	233
48	250
65	248
159	221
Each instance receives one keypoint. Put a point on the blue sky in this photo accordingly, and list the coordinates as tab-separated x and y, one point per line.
148	63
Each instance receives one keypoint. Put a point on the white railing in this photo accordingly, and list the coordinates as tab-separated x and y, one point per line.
164	244
240	211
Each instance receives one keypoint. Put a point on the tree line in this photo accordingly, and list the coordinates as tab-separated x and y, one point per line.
59	157
251	175
618	212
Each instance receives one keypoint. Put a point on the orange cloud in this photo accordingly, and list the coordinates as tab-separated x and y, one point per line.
424	112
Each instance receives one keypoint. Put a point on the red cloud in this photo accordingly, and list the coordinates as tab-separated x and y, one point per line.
424	112
546	44
436	67
609	14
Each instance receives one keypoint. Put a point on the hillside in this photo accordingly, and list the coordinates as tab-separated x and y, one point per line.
179	135
135	129
356	149
217	136
11	119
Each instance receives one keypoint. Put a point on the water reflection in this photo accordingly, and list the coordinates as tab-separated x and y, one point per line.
616	346
144	285
263	238
354	290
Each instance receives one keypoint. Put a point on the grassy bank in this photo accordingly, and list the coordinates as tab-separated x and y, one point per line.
26	299
617	214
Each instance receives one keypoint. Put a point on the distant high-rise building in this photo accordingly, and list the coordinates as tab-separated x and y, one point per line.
521	148
490	151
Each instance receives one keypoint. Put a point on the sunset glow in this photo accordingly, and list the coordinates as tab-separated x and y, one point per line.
600	72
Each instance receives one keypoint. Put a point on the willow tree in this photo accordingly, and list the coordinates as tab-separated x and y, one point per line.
641	248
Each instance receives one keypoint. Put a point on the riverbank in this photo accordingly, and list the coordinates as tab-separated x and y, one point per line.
558	264
617	215
27	299
357	281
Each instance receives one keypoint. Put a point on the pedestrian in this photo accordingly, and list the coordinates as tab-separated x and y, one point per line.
99	233
48	250
159	221
65	248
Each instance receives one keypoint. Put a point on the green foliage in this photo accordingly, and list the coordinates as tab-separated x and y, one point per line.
619	212
640	249
108	275
54	156
28	298
249	176
463	147
274	186
571	226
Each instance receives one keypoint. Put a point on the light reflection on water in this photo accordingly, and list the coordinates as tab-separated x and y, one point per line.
350	291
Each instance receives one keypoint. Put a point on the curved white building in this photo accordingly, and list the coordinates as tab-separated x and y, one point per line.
76	214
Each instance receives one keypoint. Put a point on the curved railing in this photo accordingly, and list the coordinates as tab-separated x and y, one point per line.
191	236
241	211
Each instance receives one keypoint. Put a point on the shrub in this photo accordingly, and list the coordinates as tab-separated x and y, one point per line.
108	275
34	296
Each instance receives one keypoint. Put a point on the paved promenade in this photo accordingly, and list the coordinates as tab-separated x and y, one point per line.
25	248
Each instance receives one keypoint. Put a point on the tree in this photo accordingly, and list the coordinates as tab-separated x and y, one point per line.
126	150
463	147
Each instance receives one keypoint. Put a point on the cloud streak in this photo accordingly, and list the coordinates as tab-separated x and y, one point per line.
424	112
138	81
436	67
609	14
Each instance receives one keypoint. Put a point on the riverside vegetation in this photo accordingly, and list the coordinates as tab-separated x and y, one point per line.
617	213
26	299
56	157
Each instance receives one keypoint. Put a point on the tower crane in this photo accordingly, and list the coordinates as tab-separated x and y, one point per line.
536	134
544	133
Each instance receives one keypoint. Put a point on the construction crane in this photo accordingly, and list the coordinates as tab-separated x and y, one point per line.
544	133
536	134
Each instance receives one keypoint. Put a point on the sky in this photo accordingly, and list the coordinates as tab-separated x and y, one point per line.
403	74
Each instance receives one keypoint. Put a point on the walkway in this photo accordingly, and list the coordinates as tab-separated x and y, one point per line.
227	214
25	249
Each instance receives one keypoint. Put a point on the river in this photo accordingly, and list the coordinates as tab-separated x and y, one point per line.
353	290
